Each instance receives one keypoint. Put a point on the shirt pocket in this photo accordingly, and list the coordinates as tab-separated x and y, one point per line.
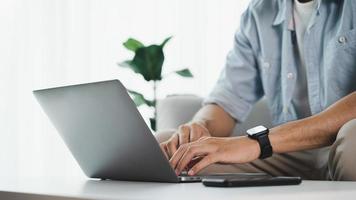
340	63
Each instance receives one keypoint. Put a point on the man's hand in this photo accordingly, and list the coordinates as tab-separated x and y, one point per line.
214	150
186	133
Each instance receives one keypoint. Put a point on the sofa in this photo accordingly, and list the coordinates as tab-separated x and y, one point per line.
179	109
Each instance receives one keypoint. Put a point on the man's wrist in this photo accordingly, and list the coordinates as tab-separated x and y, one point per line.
260	134
255	148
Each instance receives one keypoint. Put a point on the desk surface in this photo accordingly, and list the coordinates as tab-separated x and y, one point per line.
39	189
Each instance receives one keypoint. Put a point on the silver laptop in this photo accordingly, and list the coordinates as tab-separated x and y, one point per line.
106	134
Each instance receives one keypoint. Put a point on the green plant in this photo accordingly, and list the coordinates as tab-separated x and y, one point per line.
148	62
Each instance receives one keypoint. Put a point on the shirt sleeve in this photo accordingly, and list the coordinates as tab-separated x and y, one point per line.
239	86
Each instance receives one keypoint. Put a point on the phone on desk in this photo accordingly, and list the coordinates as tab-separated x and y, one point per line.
251	181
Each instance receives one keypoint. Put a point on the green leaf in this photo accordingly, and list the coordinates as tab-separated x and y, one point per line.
133	44
148	61
184	73
126	63
150	103
131	65
153	123
139	99
165	41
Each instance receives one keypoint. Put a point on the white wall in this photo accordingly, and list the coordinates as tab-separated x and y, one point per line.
47	43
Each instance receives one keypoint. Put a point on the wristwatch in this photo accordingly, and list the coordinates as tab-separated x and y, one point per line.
260	133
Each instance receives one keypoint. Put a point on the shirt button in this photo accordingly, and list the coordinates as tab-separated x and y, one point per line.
290	75
266	65
342	40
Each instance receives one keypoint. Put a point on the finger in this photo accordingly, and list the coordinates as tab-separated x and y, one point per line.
190	153
163	147
194	161
185	159
177	155
172	145
203	163
195	133
184	133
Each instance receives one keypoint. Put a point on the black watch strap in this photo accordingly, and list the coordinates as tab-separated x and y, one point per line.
265	146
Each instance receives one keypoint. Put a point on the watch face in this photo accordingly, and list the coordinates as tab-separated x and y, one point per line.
256	130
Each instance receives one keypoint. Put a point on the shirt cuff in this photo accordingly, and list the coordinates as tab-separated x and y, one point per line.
232	104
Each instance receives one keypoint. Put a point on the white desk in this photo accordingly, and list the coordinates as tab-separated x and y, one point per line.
57	189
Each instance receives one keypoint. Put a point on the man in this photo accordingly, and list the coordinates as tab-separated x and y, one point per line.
300	55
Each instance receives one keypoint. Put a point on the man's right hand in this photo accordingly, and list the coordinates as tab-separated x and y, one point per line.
186	133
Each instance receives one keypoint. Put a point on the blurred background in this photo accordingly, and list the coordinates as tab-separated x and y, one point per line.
46	43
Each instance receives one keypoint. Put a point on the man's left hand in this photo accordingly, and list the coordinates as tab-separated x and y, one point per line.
214	150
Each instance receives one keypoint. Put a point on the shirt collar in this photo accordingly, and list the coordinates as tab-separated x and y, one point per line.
286	5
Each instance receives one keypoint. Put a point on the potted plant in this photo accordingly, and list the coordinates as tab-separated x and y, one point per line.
148	62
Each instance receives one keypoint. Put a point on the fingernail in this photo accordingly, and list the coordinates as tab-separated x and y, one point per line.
191	172
177	172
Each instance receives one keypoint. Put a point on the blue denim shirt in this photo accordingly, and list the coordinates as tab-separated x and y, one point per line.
263	59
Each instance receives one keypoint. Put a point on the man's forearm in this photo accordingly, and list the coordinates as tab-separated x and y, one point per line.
217	121
316	131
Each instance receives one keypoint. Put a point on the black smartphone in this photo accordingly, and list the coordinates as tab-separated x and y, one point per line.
251	181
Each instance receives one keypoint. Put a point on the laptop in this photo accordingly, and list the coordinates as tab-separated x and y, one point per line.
106	134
